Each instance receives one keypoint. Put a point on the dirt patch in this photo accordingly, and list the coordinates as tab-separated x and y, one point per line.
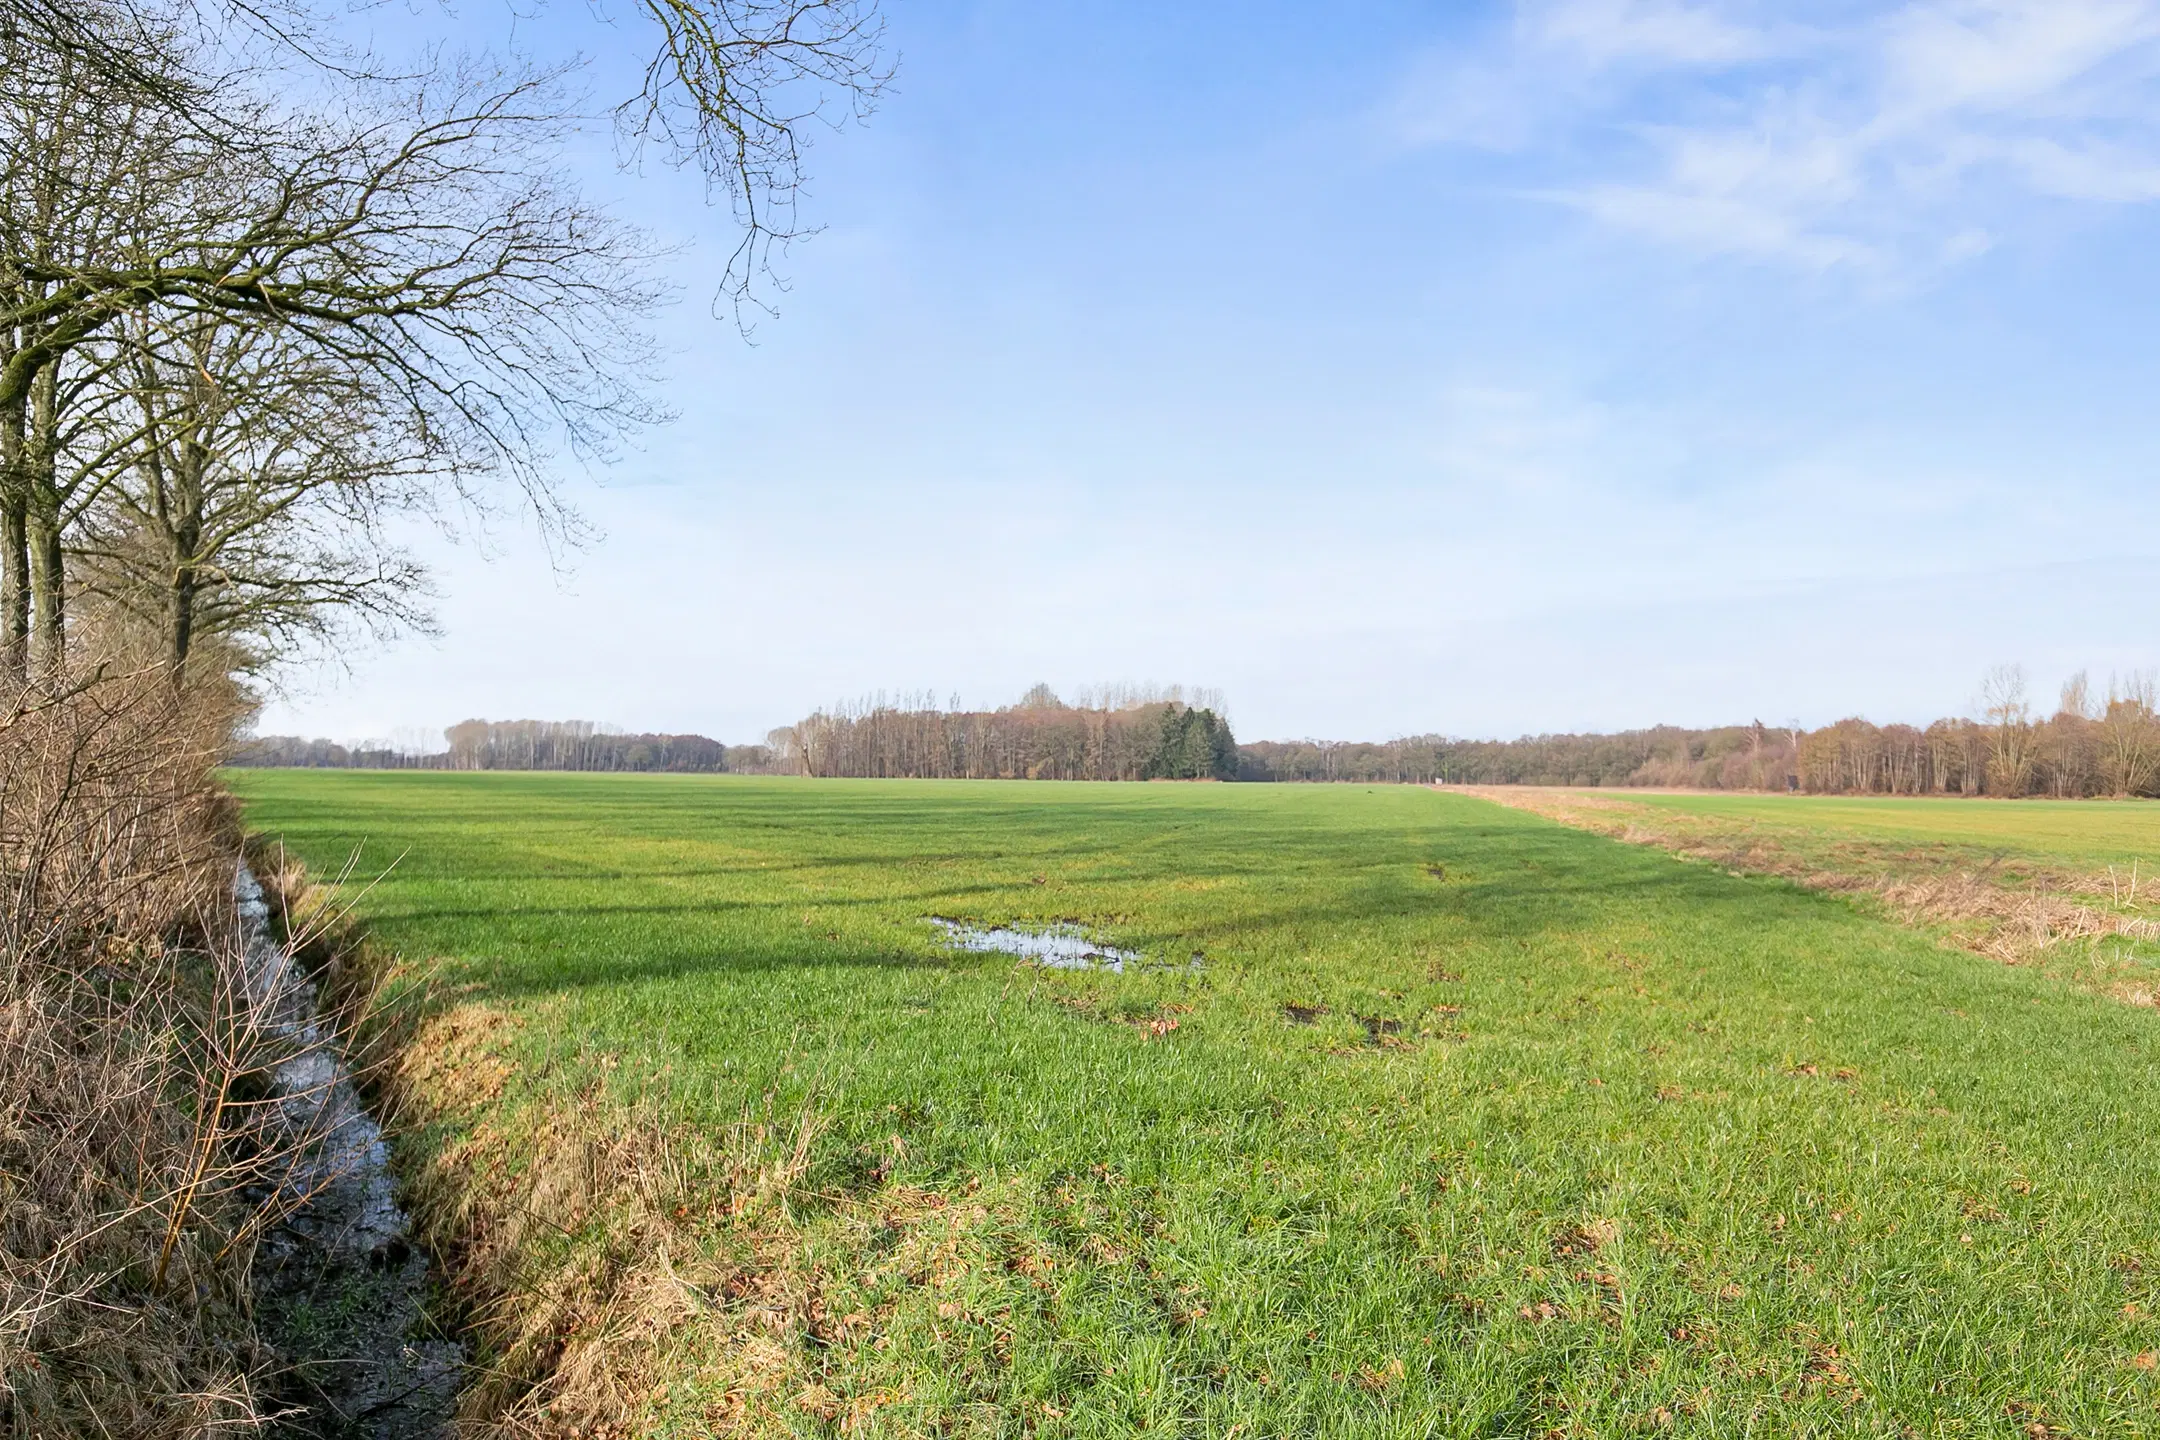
1154	1021
1304	1014
1586	1239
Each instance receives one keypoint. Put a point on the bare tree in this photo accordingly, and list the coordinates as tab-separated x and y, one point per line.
2008	713
71	155
2068	747
731	87
2077	698
2130	733
409	232
255	481
420	243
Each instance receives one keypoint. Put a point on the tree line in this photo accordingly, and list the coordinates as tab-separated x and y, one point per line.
261	295
238	336
512	745
2092	744
1125	733
574	745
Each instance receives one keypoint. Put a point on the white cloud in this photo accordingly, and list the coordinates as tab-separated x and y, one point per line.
1871	139
1559	59
2094	172
1714	224
1479	105
1606	32
1991	56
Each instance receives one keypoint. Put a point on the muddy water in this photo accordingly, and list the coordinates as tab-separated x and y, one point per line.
1060	947
341	1290
1063	946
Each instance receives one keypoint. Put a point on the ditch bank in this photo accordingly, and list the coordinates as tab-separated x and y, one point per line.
575	1233
617	1269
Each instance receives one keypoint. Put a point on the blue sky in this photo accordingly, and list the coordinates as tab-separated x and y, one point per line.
1477	368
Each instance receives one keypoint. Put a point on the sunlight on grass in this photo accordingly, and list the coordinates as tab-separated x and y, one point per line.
1569	1138
2082	833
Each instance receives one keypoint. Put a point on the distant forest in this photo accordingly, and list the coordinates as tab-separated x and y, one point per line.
1115	734
2092	744
518	745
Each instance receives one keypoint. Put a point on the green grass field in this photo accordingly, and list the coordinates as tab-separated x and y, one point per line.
1652	1148
2084	835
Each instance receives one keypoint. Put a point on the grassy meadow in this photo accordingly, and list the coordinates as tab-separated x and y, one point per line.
1466	1123
2068	886
2083	835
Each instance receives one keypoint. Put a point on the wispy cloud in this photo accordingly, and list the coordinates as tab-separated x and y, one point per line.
1867	136
1608	32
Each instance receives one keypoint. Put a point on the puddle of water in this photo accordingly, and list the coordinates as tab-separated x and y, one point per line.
1059	947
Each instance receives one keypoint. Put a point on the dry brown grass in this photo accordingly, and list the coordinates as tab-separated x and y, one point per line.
600	1244
130	1044
2010	922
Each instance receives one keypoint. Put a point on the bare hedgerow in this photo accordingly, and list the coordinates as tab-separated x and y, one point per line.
139	1149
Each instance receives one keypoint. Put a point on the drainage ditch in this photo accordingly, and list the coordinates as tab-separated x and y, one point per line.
341	1291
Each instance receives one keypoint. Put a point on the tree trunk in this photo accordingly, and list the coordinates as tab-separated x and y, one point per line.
48	562
15	540
180	633
14	591
185	520
48	589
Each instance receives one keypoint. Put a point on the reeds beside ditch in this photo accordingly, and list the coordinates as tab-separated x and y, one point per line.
139	1158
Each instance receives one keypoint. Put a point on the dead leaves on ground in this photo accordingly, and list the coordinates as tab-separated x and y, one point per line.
1587	1238
1156	1023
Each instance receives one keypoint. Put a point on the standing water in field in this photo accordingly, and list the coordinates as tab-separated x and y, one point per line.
1059	947
340	1289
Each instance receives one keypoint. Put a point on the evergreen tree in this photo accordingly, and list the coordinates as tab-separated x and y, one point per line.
1222	748
1193	745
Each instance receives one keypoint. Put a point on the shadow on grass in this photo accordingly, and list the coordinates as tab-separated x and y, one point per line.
1527	886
